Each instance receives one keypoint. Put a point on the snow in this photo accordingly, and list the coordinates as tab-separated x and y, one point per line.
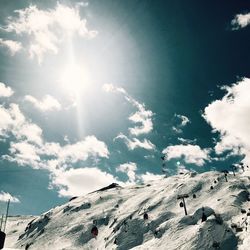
118	214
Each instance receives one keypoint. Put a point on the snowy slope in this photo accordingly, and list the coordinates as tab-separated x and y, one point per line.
15	225
118	214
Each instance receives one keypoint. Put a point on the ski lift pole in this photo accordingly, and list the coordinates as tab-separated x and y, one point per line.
6	217
1	222
183	200
225	174
233	168
242	166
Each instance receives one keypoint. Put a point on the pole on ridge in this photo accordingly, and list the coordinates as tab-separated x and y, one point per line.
7	213
1	222
182	197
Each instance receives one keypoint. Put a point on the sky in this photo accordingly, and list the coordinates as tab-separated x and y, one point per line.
101	91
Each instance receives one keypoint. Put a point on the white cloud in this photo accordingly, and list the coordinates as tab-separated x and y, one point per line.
47	29
13	122
241	21
25	154
12	46
187	141
81	181
80	151
191	154
5	91
128	168
6	196
182	121
48	103
230	117
136	143
29	148
150	177
142	117
36	156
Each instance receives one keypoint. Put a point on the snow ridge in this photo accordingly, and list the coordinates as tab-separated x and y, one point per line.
146	216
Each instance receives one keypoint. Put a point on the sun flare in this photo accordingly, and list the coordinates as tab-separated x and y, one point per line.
74	78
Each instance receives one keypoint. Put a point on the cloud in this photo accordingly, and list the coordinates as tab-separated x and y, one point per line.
186	141
191	154
136	143
78	151
142	116
47	29
6	196
181	121
14	122
28	148
5	91
25	154
76	182
150	177
184	120
128	168
52	156
230	117
181	168
48	103
241	21
12	46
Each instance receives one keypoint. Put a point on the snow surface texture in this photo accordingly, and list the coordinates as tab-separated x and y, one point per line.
119	212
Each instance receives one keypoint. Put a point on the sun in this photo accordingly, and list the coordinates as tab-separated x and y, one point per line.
74	78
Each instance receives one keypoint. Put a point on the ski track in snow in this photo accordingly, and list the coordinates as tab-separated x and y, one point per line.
118	214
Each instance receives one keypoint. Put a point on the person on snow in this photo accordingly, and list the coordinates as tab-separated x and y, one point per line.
203	217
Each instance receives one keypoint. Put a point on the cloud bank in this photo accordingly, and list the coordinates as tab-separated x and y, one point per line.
230	117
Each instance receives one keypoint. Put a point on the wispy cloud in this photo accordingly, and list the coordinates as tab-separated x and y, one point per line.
142	116
48	103
129	169
181	121
47	29
186	141
5	91
136	143
12	46
7	196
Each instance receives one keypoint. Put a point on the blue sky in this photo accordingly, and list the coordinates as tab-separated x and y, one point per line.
96	92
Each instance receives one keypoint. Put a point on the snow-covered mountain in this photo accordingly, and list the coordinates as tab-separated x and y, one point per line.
119	214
